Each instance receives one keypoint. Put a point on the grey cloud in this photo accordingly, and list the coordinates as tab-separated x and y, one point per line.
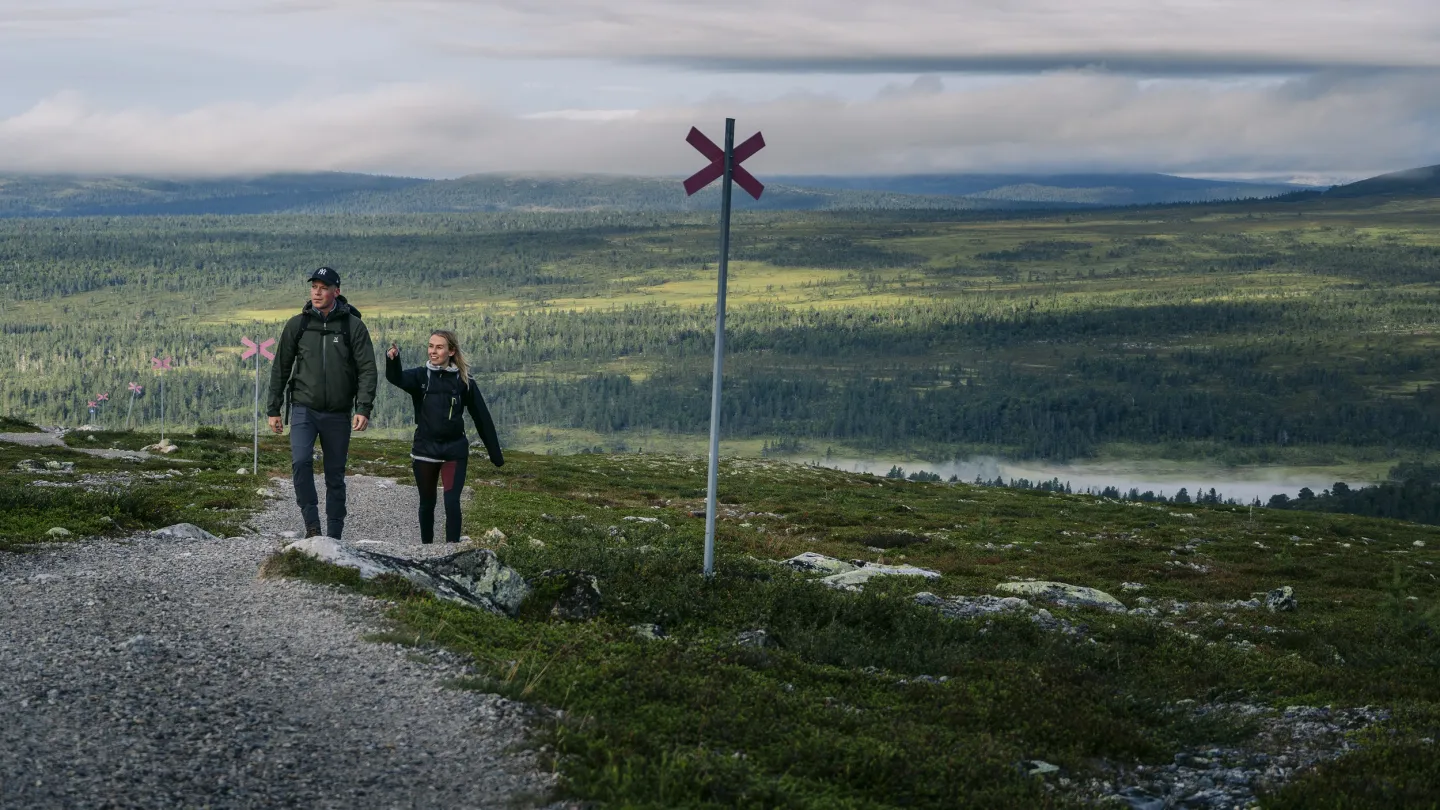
1155	37
1062	121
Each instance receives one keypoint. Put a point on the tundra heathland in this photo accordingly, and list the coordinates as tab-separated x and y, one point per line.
870	699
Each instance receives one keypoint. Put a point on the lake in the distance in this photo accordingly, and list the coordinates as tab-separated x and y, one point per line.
1243	484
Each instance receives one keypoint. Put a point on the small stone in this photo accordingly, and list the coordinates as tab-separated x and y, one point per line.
1418	544
1039	767
494	535
536	542
242	471
1131	586
753	638
649	632
59	531
266	493
184	531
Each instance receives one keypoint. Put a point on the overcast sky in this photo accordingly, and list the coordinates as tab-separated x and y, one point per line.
1322	89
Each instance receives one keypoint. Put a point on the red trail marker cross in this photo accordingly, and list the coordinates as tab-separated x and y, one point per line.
724	166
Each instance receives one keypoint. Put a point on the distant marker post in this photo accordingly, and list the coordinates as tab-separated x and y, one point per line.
253	349
161	366
724	166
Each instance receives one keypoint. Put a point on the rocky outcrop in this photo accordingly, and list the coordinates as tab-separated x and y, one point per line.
851	576
476	577
812	563
1064	595
971	607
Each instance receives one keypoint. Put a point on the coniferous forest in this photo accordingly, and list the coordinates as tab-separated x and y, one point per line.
1243	328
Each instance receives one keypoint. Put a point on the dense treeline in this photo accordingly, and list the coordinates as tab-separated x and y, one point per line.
1412	493
883	331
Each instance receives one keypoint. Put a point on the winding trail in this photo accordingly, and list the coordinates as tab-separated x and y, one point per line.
153	672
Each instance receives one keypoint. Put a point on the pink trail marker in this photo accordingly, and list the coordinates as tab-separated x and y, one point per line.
724	166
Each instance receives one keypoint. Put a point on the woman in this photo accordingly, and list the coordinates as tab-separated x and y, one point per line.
442	391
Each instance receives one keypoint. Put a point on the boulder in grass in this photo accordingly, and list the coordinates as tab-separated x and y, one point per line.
58	531
481	574
855	580
1064	595
812	563
183	531
1281	600
476	578
572	596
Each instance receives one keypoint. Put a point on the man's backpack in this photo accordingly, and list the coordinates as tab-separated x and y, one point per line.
306	320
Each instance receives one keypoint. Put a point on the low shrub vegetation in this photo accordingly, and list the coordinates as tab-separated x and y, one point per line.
870	700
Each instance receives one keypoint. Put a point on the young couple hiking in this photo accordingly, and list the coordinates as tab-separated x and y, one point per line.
325	377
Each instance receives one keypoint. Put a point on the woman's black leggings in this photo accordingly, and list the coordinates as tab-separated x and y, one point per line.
452	474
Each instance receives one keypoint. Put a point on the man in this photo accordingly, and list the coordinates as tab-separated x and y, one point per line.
333	376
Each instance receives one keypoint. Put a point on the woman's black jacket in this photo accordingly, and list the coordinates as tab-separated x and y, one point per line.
440	400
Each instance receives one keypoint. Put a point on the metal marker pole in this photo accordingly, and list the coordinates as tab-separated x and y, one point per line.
710	499
256	420
162	406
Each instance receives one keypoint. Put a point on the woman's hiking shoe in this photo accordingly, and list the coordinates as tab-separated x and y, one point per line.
314	531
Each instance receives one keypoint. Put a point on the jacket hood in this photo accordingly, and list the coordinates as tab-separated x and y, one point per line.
342	307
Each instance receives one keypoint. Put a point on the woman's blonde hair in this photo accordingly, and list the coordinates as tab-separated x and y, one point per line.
453	344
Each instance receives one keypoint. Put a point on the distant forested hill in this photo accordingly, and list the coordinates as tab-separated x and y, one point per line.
1422	182
1077	189
340	193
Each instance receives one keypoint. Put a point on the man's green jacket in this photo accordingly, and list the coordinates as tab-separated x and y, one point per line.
331	373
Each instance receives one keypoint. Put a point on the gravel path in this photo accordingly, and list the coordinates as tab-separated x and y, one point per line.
156	672
382	516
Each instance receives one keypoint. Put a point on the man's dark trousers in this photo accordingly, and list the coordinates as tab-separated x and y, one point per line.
333	429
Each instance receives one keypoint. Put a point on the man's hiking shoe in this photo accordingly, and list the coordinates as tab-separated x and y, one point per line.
313	531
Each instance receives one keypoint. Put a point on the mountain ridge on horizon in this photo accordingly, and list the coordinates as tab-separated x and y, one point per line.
57	195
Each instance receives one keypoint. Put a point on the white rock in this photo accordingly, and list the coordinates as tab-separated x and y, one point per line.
855	580
59	531
1418	544
536	542
1131	586
1064	595
328	549
184	531
242	471
810	562
649	632
494	535
266	493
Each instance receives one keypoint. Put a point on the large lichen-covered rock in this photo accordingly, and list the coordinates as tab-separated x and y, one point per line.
855	580
481	573
476	578
1064	595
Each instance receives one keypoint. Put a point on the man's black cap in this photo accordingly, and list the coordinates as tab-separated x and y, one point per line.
325	274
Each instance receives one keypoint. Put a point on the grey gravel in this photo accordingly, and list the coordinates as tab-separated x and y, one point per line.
162	672
382	516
